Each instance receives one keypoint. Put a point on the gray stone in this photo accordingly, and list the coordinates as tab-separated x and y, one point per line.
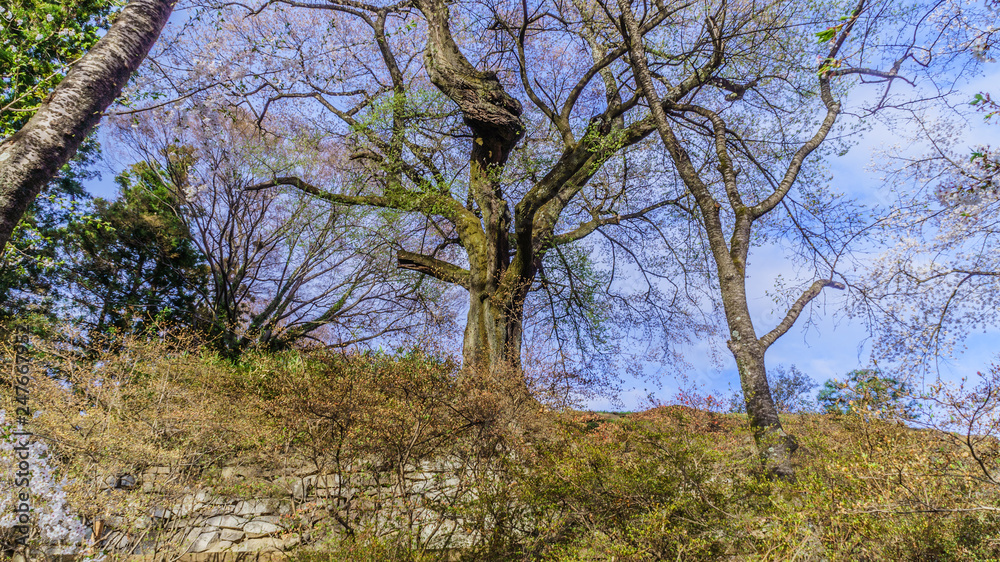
328	481
269	544
160	513
193	533
204	541
226	521
256	507
257	529
116	540
216	510
186	506
301	488
231	535
220	546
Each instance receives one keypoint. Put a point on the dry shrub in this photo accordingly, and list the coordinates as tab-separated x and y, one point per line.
681	483
117	407
675	482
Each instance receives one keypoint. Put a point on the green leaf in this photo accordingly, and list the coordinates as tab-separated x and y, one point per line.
826	35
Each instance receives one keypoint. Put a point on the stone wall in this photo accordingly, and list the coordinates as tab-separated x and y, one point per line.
256	514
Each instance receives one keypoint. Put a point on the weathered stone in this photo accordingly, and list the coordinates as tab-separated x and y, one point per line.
256	507
231	535
268	544
116	540
220	546
186	506
301	488
216	510
226	521
204	541
327	481
291	541
257	529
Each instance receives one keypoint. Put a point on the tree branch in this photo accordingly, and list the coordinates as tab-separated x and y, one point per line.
438	269
793	313
590	226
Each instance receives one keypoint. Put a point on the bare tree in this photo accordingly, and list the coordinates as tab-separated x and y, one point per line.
282	271
743	141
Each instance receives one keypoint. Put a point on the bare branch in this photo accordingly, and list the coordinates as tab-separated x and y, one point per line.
793	313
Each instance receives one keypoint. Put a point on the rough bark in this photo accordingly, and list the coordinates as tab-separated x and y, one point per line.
31	157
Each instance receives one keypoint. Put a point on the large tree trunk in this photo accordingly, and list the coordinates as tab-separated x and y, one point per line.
493	330
496	294
31	157
773	444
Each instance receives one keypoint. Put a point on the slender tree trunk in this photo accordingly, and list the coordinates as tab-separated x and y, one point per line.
32	156
773	444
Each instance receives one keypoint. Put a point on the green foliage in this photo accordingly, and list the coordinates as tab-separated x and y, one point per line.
33	288
869	392
40	40
142	268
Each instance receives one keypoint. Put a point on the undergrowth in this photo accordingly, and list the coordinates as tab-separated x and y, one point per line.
539	483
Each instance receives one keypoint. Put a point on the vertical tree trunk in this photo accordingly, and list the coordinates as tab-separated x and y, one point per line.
773	444
493	331
32	156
